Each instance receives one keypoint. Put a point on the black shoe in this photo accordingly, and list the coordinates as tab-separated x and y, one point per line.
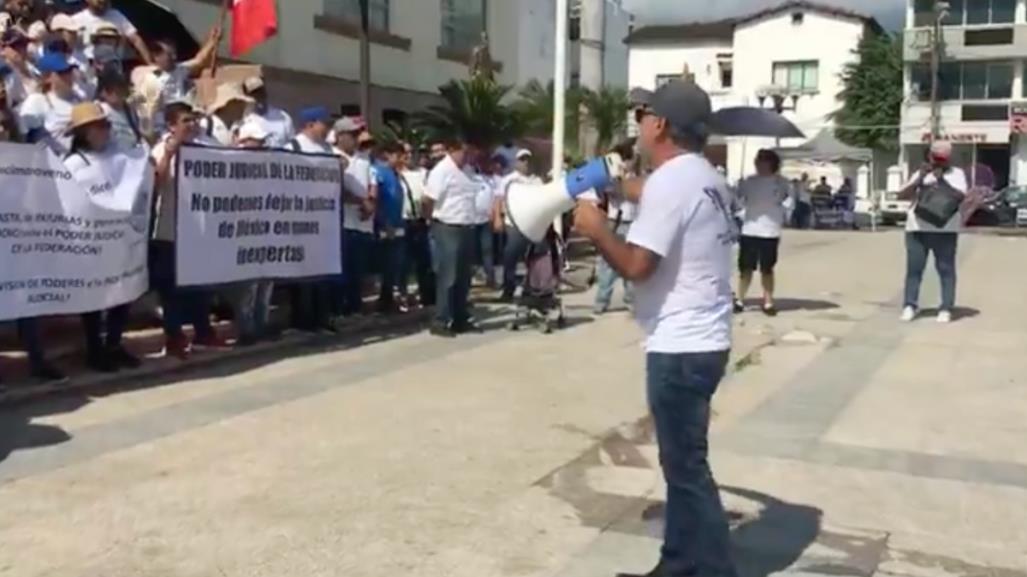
124	359
770	310
467	327
246	341
101	363
739	307
440	330
657	571
47	373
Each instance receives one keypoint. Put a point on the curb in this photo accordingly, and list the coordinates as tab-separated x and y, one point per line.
161	368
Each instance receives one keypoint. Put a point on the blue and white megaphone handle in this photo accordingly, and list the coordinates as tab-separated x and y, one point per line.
532	208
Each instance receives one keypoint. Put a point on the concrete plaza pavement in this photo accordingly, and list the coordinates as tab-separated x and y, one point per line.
846	444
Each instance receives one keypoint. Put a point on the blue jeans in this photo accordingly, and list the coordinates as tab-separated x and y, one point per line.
252	302
454	252
356	254
943	245
181	305
679	388
484	253
608	277
514	253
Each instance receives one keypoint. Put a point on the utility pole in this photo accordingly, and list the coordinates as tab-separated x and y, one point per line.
937	44
559	96
591	50
365	61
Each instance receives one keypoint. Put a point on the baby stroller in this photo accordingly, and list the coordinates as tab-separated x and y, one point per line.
539	304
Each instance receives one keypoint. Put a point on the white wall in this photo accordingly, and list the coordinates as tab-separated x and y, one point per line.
758	44
615	58
647	61
299	46
536	32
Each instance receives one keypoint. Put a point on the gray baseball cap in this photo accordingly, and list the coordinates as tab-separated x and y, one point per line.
683	104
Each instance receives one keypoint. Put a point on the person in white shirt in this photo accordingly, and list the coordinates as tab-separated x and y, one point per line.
24	77
112	92
358	218
169	80
803	203
449	200
418	250
484	205
621	213
92	143
923	238
275	121
312	301
180	306
99	12
44	116
678	254
516	245
762	199
225	114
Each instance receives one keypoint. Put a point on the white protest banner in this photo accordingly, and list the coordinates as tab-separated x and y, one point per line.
69	246
256	214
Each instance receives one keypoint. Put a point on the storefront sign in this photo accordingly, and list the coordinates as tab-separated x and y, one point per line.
958	138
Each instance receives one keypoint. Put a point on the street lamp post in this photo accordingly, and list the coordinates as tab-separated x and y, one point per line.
559	95
365	61
941	10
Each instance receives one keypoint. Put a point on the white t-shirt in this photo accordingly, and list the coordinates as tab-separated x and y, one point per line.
307	144
683	216
762	199
50	113
277	123
625	209
358	180
121	128
88	23
413	181
19	86
454	192
488	187
956	178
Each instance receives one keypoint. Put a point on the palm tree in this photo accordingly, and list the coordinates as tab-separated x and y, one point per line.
606	113
535	108
472	111
402	132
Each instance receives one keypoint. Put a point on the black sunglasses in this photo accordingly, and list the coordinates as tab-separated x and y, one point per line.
641	113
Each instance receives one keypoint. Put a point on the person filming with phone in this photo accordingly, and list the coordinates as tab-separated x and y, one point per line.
938	191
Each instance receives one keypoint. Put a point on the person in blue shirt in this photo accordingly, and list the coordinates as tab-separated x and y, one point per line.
390	224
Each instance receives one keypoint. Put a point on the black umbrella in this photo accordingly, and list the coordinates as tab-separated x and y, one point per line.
752	121
158	22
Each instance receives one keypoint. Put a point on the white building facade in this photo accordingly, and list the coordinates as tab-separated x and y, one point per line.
980	86
790	57
416	46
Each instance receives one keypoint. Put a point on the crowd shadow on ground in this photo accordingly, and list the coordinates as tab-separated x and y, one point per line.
18	432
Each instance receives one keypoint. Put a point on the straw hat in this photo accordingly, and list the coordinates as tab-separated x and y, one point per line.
85	113
226	94
106	30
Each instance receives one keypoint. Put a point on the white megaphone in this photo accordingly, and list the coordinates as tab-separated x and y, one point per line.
532	208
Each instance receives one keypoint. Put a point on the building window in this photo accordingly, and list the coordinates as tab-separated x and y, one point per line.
349	11
965	81
800	76
574	22
797	18
463	22
726	67
966	12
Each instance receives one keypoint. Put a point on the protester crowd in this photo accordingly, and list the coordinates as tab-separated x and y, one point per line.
427	213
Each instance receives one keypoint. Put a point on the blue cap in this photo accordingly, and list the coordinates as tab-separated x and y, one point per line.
315	114
54	62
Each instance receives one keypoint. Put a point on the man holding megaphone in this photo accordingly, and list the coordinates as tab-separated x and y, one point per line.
678	254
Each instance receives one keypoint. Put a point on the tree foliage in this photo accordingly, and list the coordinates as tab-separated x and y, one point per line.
534	106
606	112
472	111
872	94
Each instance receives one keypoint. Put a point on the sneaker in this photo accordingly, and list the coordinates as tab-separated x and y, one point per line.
770	310
178	347
739	307
945	317
908	314
467	327
599	310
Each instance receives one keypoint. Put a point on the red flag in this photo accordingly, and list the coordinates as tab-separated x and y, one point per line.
253	22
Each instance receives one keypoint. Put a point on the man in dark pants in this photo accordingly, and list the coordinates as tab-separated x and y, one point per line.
418	253
449	198
678	254
516	244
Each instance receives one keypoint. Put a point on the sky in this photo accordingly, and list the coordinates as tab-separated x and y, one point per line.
888	12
